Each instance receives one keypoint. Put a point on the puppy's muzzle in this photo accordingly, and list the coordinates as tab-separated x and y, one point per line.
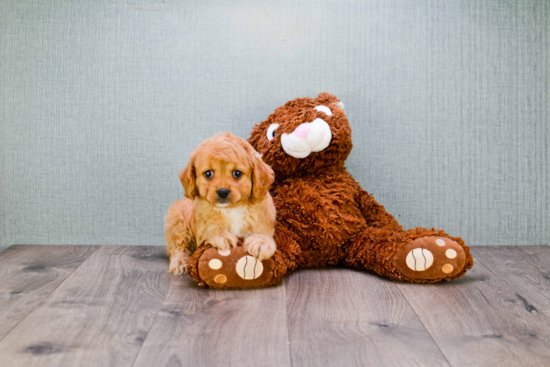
223	193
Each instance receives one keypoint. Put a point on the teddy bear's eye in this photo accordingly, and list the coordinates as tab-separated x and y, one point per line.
324	109
272	131
209	174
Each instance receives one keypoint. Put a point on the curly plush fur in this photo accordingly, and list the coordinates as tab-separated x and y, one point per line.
324	217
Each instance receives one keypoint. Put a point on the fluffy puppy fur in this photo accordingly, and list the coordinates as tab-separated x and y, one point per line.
227	196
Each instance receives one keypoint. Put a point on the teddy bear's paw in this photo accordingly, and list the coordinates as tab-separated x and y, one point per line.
430	258
234	268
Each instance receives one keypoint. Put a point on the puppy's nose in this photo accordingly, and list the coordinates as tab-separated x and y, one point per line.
223	193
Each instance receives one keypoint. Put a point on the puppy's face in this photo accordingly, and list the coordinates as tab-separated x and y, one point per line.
223	182
226	171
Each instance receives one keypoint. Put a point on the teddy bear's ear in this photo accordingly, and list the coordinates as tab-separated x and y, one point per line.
326	98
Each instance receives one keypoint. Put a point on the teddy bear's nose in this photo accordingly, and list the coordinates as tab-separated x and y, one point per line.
302	131
309	137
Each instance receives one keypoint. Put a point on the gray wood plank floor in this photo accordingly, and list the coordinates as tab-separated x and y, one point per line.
118	306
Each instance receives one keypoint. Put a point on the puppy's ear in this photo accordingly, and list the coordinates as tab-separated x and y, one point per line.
188	177
262	177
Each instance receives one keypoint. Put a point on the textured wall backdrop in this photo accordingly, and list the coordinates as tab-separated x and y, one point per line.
102	101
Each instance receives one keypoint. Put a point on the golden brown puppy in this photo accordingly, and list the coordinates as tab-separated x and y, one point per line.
226	196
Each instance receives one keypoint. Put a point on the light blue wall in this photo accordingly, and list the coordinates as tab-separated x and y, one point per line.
102	101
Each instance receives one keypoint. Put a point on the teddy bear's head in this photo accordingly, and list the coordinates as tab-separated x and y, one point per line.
304	136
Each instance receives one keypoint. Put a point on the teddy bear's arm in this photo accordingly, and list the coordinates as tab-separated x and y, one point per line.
374	213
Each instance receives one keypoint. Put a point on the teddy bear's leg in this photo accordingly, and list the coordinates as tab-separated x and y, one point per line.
235	268
417	255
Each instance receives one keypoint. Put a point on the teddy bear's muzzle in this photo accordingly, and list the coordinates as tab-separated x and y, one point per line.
308	137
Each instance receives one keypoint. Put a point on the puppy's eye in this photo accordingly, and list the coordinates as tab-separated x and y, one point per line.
237	174
272	131
209	174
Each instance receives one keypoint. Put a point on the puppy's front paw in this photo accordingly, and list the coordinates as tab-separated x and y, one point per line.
178	263
223	241
260	246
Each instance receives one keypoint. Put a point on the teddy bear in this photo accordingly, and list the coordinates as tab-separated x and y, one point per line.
324	217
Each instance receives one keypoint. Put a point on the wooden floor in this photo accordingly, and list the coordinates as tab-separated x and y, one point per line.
118	306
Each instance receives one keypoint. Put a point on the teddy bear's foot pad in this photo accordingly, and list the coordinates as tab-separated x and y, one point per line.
430	258
234	268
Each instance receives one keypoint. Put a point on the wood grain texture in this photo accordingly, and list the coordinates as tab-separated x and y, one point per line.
99	316
118	306
205	327
525	269
28	274
479	320
342	317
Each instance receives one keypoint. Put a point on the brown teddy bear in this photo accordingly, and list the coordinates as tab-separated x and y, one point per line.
324	217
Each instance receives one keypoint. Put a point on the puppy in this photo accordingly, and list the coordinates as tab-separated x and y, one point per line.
226	187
